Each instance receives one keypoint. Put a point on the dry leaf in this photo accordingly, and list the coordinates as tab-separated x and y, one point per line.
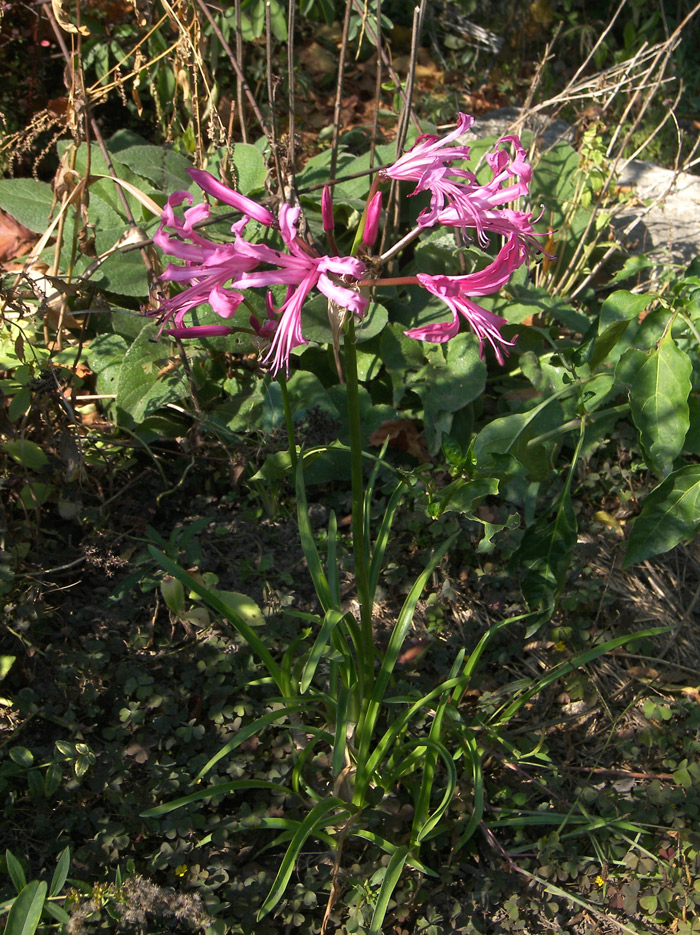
15	239
64	23
403	434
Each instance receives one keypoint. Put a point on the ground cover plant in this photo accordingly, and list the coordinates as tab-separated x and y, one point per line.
330	457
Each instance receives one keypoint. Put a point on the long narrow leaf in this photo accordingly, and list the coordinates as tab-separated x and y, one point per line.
332	559
470	745
393	650
308	543
221	788
26	910
382	539
391	849
219	605
341	731
330	622
308	826
245	732
391	878
564	668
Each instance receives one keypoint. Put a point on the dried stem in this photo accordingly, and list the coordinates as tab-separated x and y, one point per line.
235	65
339	88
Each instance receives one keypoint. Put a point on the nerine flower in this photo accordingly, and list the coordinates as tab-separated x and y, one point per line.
301	269
456	293
457	199
217	273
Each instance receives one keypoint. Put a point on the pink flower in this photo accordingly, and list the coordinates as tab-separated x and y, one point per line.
302	270
208	265
429	154
457	199
455	291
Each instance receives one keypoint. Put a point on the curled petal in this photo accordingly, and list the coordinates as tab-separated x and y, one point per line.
224	301
228	196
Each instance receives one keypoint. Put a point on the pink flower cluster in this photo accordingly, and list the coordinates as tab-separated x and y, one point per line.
219	274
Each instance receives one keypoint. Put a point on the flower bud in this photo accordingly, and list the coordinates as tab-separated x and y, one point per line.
374	213
327	209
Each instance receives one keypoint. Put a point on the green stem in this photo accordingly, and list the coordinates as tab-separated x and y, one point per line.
359	533
289	423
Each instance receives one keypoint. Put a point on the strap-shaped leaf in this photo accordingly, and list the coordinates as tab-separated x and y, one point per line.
391	878
221	788
313	821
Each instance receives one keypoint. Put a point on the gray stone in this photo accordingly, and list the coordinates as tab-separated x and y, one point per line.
663	221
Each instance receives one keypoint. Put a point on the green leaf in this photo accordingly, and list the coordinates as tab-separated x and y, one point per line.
141	390
212	598
26	910
659	404
513	434
251	169
617	312
545	550
314	819
160	165
6	663
22	756
60	873
221	788
330	622
243	606
16	871
392	876
449	381
58	912
670	514
26	453
28	201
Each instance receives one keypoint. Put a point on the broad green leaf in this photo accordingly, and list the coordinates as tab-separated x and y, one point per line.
26	910
22	756
244	606
448	382
123	273
160	165
141	388
250	167
402	356
616	313
659	404
26	453
6	663
28	202
513	435
670	514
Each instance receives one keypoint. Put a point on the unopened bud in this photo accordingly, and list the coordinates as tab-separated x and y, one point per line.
374	213
327	209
